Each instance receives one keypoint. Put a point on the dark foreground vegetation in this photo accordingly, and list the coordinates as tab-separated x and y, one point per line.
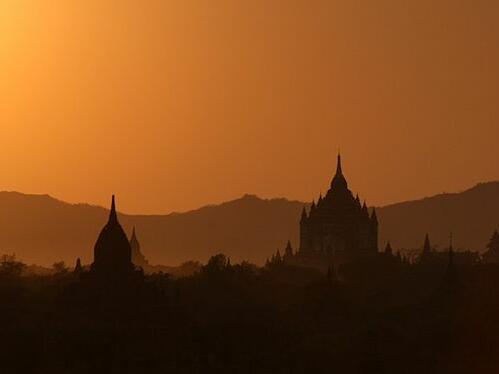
379	316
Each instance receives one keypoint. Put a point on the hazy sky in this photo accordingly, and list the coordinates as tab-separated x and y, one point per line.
175	104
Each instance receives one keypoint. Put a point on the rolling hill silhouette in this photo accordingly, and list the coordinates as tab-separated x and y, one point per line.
41	229
471	216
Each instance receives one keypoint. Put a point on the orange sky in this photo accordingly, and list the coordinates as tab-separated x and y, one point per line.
175	104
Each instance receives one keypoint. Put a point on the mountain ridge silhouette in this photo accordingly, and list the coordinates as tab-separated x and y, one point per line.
45	229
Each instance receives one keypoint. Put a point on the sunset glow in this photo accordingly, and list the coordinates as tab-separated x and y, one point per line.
166	102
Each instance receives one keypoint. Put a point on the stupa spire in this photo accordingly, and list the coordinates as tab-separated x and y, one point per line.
112	251
339	182
338	164
112	214
427	245
388	249
303	215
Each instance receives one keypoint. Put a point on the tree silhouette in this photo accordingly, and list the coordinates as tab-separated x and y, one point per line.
60	267
10	266
492	255
493	244
217	264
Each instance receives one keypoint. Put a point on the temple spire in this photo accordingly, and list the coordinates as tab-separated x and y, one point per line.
427	245
303	215
451	256
112	214
339	182
288	252
78	267
450	278
388	249
338	165
365	211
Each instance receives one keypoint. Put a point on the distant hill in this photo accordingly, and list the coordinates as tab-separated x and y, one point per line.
41	229
470	215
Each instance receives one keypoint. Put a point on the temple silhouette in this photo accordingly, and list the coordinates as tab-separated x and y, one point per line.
112	251
337	229
113	269
118	261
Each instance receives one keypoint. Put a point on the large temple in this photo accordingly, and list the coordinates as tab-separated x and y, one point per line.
338	228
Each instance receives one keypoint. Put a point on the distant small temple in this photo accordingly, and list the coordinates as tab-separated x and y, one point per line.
429	256
138	259
337	229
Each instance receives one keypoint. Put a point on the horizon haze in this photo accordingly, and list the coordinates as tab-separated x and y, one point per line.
248	228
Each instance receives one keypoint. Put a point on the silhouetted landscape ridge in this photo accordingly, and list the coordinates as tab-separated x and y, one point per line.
248	228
